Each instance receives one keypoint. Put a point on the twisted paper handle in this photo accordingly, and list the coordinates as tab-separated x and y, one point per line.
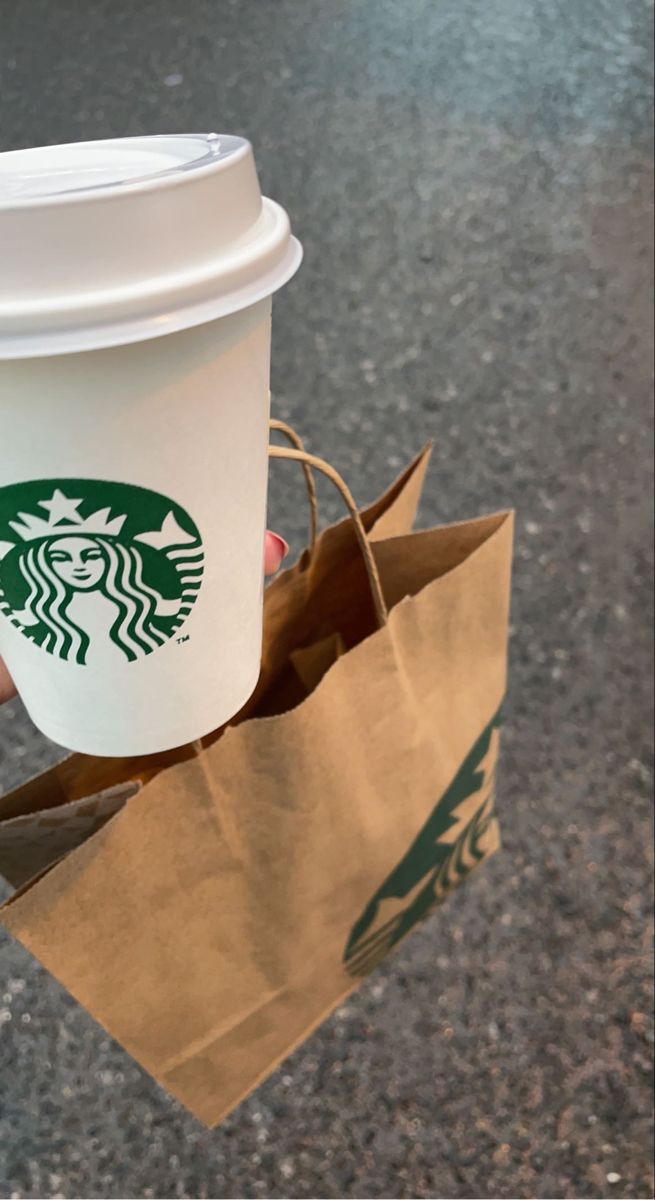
311	461
296	441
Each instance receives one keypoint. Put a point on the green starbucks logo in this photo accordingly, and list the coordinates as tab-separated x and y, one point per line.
459	834
93	571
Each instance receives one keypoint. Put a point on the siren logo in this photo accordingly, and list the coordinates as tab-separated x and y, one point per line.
460	833
94	571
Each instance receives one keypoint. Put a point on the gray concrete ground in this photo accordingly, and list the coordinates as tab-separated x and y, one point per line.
472	182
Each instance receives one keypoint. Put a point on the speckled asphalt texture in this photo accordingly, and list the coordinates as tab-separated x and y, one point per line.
472	182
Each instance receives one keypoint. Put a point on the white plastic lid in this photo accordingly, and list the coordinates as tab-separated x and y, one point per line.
104	243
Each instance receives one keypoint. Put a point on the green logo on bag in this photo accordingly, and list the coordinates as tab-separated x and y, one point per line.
460	832
93	571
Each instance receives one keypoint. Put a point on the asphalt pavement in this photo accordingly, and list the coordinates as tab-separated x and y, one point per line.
472	182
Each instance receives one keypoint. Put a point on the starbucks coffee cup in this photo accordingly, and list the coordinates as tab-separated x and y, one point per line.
135	305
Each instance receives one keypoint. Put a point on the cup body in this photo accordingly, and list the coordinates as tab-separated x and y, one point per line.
133	487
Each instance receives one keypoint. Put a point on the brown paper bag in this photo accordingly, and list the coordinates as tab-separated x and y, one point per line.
29	844
231	903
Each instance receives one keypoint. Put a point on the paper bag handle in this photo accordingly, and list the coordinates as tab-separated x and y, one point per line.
310	460
296	441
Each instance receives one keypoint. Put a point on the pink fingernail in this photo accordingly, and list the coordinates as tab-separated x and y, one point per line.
284	546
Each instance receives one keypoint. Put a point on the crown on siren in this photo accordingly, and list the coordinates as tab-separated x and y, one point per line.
63	518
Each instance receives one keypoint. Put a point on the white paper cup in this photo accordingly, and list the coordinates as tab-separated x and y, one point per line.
134	405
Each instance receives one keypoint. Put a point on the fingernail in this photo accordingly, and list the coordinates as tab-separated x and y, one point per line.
280	542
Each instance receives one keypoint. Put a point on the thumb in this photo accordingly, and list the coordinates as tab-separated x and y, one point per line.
7	689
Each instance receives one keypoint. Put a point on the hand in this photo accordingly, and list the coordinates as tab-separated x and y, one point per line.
7	689
275	551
